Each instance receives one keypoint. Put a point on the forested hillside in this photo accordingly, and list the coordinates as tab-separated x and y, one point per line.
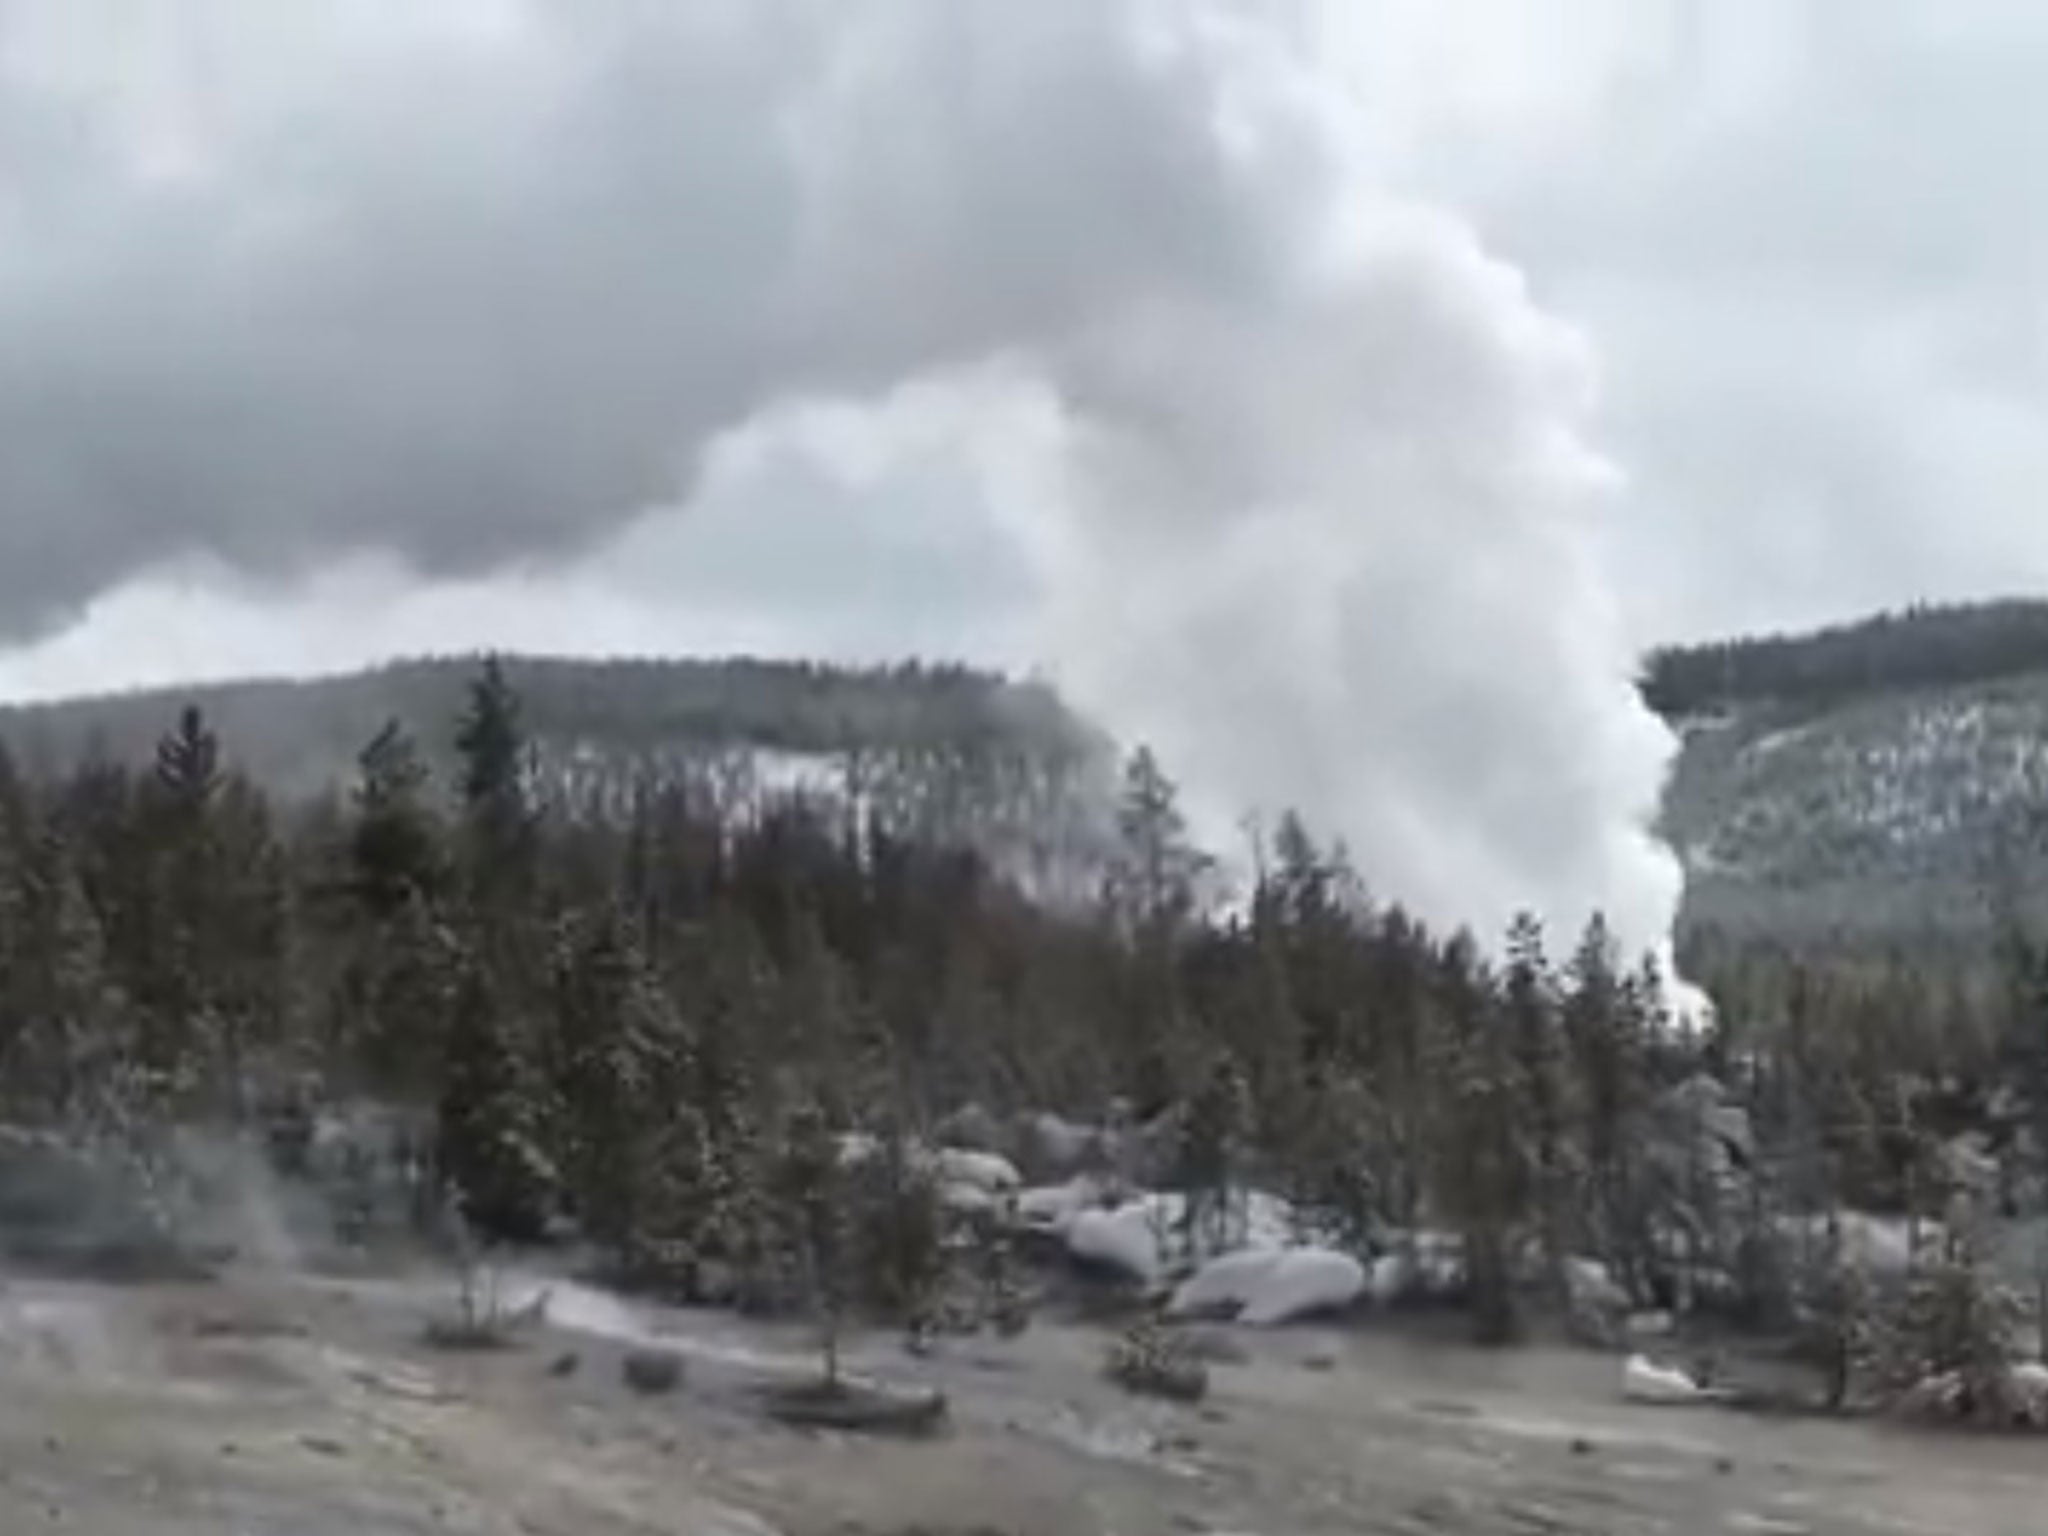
1881	786
939	753
1922	647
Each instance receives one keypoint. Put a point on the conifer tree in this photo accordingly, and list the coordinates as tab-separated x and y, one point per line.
807	1185
395	846
1605	1044
491	1136
496	782
1482	1158
1531	1006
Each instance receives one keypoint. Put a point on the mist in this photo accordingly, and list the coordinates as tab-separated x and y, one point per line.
1299	482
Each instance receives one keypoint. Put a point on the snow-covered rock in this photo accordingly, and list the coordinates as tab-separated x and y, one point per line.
1301	1283
1147	1234
1222	1285
1271	1286
1126	1239
1051	1208
1645	1381
967	1181
986	1171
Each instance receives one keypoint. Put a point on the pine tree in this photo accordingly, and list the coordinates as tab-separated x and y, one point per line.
400	993
1153	895
1838	1323
59	999
1957	1326
807	1186
496	780
491	1136
1483	1173
395	846
1531	1006
1211	1151
1158	869
620	1062
1604	1041
188	763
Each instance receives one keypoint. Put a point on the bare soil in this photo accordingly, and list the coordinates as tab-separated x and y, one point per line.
266	1405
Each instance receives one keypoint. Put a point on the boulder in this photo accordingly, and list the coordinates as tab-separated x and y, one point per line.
1266	1287
1221	1287
1125	1240
652	1372
1051	1208
987	1171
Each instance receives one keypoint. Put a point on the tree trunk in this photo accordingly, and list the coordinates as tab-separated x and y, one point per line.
1486	1273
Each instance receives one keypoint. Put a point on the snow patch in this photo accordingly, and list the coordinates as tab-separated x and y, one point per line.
1645	1381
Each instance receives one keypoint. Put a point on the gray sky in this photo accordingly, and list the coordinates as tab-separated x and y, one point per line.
1334	391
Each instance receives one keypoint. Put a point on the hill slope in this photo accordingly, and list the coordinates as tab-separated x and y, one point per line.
942	751
1884	783
1876	785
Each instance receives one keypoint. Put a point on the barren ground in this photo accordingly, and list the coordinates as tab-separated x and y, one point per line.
272	1406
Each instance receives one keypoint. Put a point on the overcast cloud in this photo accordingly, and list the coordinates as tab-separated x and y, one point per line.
1335	393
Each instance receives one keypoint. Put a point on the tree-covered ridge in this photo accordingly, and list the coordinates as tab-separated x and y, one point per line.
299	737
937	752
1924	646
1914	818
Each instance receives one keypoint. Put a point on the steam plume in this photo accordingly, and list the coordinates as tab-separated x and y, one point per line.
478	283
